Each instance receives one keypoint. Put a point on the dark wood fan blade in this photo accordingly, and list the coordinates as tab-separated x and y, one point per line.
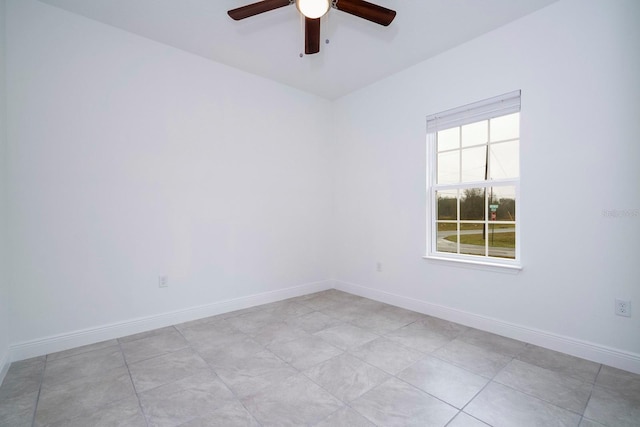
257	8
369	11
311	36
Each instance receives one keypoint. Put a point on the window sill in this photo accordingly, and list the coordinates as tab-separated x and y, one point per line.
475	264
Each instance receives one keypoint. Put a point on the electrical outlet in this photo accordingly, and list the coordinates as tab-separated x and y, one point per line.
163	282
379	267
623	308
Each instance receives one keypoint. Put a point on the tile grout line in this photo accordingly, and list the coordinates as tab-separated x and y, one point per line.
35	409
593	387
392	376
457	365
133	386
581	414
481	390
235	395
537	398
346	403
300	372
344	351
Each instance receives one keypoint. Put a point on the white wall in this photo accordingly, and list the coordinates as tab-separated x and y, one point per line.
577	63
4	287
130	159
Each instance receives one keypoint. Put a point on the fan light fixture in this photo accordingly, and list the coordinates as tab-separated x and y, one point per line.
313	9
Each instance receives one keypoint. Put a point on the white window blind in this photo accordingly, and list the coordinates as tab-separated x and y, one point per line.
470	113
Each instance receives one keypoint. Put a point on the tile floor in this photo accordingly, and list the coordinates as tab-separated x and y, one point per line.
325	359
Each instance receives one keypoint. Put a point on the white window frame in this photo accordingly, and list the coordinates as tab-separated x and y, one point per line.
498	106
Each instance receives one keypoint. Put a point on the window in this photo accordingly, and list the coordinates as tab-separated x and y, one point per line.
474	182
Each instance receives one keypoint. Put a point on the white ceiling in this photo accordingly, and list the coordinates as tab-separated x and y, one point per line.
359	52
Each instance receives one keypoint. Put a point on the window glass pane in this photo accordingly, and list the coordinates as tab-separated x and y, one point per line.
505	127
504	160
474	162
449	167
472	204
502	241
446	239
475	133
449	139
472	239
466	226
447	208
502	203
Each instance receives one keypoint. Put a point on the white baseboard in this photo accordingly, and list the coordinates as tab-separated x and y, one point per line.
4	365
597	353
587	350
52	344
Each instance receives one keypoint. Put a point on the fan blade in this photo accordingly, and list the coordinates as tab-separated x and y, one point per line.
257	8
369	11
311	36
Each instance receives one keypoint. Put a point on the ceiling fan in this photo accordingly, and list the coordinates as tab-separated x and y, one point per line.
313	10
